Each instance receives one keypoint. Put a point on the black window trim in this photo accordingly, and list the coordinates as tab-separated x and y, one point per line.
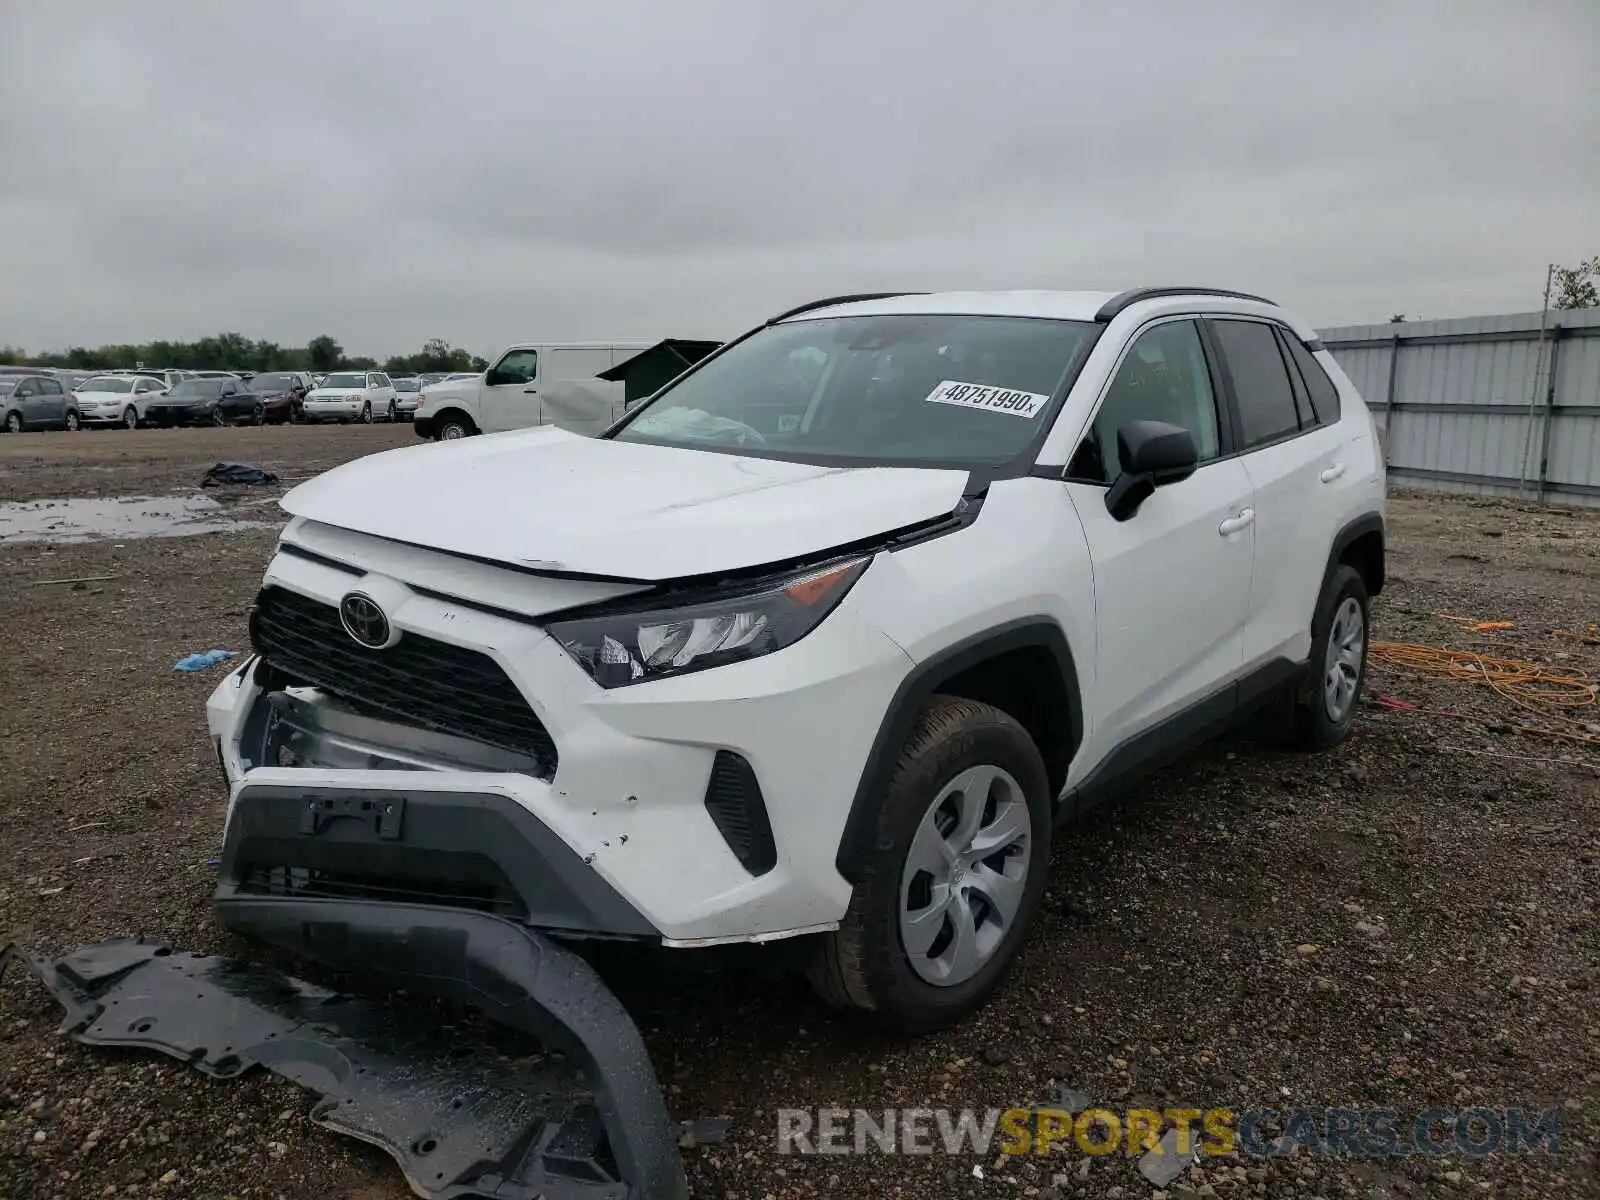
1289	342
1305	413
1227	433
1233	398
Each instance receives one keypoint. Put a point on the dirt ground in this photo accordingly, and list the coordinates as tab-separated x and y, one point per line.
1406	922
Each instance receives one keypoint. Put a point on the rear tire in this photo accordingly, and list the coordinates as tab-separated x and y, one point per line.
963	835
1325	705
70	422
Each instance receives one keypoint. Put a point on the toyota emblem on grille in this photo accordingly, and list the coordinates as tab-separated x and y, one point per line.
364	621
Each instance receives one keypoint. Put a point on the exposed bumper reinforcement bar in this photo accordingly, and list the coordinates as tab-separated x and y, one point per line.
588	1123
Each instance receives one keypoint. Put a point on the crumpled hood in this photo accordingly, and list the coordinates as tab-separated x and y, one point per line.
550	500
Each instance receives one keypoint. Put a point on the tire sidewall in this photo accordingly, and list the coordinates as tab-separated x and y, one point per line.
899	994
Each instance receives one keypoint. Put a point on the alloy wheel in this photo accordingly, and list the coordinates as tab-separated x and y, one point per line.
1342	662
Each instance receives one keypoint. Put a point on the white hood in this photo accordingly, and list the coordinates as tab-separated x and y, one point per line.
551	500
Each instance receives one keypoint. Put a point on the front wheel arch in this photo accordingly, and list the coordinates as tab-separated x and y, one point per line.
1056	726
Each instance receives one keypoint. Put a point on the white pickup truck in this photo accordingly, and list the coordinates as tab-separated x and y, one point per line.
530	384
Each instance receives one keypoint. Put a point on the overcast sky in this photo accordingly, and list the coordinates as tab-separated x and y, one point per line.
504	170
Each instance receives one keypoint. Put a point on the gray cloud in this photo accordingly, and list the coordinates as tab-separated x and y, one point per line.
390	170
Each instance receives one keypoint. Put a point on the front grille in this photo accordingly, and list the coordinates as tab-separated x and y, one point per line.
418	681
733	798
487	892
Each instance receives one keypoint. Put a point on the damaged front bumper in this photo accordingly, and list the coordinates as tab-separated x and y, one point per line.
586	1122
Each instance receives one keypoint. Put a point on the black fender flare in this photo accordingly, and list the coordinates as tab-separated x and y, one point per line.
1360	527
922	683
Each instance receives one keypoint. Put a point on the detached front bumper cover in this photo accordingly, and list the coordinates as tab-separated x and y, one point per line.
585	1123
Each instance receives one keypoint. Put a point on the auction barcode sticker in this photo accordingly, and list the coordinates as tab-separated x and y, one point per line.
989	398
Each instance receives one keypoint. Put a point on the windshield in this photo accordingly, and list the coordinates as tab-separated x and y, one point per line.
196	388
107	383
345	381
930	390
272	383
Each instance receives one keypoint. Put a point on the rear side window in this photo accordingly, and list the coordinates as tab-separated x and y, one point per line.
1260	381
1324	395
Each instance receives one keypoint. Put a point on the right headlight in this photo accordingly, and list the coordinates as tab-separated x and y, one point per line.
634	645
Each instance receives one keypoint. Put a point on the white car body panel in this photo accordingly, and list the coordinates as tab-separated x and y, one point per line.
475	545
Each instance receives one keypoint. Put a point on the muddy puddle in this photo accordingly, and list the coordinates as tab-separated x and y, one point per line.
83	520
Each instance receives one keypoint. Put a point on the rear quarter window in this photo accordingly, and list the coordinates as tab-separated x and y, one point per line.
1324	395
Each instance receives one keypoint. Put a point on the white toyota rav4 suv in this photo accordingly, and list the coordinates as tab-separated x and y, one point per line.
825	638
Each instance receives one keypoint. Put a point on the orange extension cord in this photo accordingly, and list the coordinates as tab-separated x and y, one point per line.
1531	686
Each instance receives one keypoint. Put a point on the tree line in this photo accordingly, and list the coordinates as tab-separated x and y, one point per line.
235	352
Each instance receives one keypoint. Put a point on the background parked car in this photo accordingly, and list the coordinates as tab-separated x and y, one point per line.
429	378
350	396
169	376
206	402
117	399
282	393
35	402
407	390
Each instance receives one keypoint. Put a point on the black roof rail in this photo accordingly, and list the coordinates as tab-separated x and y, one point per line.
832	300
1124	300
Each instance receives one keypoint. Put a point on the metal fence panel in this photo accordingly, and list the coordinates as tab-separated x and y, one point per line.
1468	404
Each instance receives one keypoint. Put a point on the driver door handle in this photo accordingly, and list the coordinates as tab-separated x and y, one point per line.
530	391
1244	520
1333	472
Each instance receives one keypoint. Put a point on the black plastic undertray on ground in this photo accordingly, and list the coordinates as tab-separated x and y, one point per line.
461	1117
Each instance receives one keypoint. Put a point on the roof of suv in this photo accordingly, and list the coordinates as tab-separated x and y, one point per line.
1053	305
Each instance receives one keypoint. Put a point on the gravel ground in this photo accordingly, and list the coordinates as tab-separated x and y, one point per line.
1406	922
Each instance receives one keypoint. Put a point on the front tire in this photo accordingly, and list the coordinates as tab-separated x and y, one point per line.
958	864
452	428
366	413
130	419
1325	709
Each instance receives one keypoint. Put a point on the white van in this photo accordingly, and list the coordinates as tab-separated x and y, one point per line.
509	395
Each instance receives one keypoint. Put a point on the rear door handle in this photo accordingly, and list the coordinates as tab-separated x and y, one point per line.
1244	520
1333	472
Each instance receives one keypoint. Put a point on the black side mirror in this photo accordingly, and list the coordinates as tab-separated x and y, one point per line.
1153	454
